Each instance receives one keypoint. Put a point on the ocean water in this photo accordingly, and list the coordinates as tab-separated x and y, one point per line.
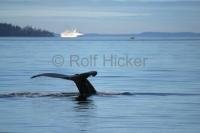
158	79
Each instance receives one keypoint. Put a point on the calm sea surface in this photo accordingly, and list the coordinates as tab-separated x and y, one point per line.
163	77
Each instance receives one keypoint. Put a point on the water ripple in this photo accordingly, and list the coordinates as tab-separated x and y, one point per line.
70	94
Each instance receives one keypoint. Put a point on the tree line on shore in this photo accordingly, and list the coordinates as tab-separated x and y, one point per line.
27	31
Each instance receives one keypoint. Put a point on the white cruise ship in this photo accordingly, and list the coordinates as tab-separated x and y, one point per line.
71	34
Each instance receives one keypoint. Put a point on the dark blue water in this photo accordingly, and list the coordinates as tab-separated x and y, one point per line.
160	85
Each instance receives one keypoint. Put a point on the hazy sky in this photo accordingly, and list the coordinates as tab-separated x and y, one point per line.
104	16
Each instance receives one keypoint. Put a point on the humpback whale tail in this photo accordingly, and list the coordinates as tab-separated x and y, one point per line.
85	88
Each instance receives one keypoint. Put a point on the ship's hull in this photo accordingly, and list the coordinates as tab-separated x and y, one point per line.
71	34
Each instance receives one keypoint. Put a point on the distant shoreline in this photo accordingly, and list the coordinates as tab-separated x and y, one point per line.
152	34
9	30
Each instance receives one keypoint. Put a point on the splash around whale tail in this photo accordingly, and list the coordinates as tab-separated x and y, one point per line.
85	88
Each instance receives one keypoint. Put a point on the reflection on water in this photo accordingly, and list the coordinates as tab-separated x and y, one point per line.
82	106
85	112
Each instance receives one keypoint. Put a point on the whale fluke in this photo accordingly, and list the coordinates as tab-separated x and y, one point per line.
85	88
